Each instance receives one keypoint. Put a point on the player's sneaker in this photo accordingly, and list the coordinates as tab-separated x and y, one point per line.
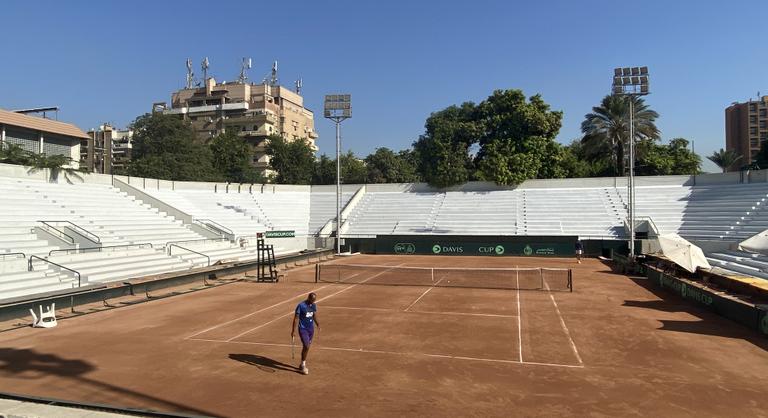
305	370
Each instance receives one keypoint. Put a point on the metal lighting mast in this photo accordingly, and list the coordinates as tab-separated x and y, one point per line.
631	82
338	107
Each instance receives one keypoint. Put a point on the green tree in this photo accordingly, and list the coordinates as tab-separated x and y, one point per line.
14	154
727	159
165	147
606	129
517	139
232	158
443	150
324	171
292	160
675	158
353	170
384	166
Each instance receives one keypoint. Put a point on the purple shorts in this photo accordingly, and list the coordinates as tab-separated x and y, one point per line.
306	336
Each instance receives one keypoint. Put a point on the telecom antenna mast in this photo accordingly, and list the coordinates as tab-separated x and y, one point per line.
190	74
245	65
205	65
299	85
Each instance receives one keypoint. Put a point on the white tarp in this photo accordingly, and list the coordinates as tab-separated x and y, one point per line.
756	244
682	252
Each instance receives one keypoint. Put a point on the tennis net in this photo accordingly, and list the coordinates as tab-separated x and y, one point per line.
513	278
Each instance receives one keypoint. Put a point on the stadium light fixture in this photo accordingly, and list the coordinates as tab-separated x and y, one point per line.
631	81
338	107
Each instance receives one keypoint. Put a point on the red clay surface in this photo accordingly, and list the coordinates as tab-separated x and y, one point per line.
613	347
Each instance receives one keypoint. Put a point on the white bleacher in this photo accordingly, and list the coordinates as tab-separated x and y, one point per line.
230	210
478	213
740	262
284	210
322	207
583	212
394	213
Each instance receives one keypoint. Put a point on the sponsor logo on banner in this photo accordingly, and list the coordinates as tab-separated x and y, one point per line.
279	234
405	248
527	250
447	249
436	249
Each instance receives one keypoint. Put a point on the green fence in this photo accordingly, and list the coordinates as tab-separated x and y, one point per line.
755	317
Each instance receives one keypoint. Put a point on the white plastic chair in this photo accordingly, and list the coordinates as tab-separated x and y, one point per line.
46	319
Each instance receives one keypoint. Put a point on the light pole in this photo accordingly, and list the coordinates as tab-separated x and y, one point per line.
631	82
338	107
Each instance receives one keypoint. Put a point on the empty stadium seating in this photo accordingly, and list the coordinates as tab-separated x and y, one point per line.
740	262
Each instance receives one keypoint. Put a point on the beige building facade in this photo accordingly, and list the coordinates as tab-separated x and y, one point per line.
107	150
41	136
746	128
254	111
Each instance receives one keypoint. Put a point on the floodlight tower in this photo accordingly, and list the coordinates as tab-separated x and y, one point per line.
338	107
631	82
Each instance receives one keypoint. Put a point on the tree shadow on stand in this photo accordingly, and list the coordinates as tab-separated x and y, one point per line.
264	364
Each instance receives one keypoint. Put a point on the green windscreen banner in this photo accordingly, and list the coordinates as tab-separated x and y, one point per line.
486	246
279	234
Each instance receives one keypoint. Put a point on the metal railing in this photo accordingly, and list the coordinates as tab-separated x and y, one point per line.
219	228
201	240
99	249
57	232
170	252
77	228
31	268
3	255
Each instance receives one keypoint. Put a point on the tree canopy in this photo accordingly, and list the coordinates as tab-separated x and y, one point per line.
293	160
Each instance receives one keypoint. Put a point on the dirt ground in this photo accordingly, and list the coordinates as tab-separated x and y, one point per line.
616	346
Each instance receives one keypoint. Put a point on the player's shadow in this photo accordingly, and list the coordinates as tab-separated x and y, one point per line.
264	364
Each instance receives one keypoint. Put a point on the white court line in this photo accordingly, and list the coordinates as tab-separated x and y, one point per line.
422	295
424	312
319	300
519	318
401	353
562	323
254	313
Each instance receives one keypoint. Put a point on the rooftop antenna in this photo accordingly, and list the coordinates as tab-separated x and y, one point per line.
205	65
272	78
190	74
245	65
299	85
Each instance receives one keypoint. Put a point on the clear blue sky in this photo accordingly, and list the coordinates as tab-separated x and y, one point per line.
400	60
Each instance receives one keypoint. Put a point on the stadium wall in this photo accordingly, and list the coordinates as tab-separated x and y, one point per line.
500	245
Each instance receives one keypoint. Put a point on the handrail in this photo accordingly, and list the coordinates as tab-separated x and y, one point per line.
82	231
30	268
218	225
16	253
68	250
170	252
62	234
196	240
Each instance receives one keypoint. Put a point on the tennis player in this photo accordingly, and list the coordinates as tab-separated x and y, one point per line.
306	315
579	250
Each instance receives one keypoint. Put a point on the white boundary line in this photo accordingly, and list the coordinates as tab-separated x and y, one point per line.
519	319
319	300
562	323
422	295
402	353
424	312
255	312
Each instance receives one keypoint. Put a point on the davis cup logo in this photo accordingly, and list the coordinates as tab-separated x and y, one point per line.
436	249
499	249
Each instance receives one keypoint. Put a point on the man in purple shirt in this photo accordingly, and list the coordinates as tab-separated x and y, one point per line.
306	314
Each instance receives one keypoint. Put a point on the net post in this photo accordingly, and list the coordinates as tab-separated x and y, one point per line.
432	273
541	277
570	280
317	273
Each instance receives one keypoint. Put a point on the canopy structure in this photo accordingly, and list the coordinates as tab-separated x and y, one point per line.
683	253
757	243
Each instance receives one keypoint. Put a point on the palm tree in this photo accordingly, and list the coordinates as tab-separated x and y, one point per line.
13	154
606	129
56	165
724	159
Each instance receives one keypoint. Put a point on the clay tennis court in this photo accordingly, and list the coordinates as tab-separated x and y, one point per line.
613	346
